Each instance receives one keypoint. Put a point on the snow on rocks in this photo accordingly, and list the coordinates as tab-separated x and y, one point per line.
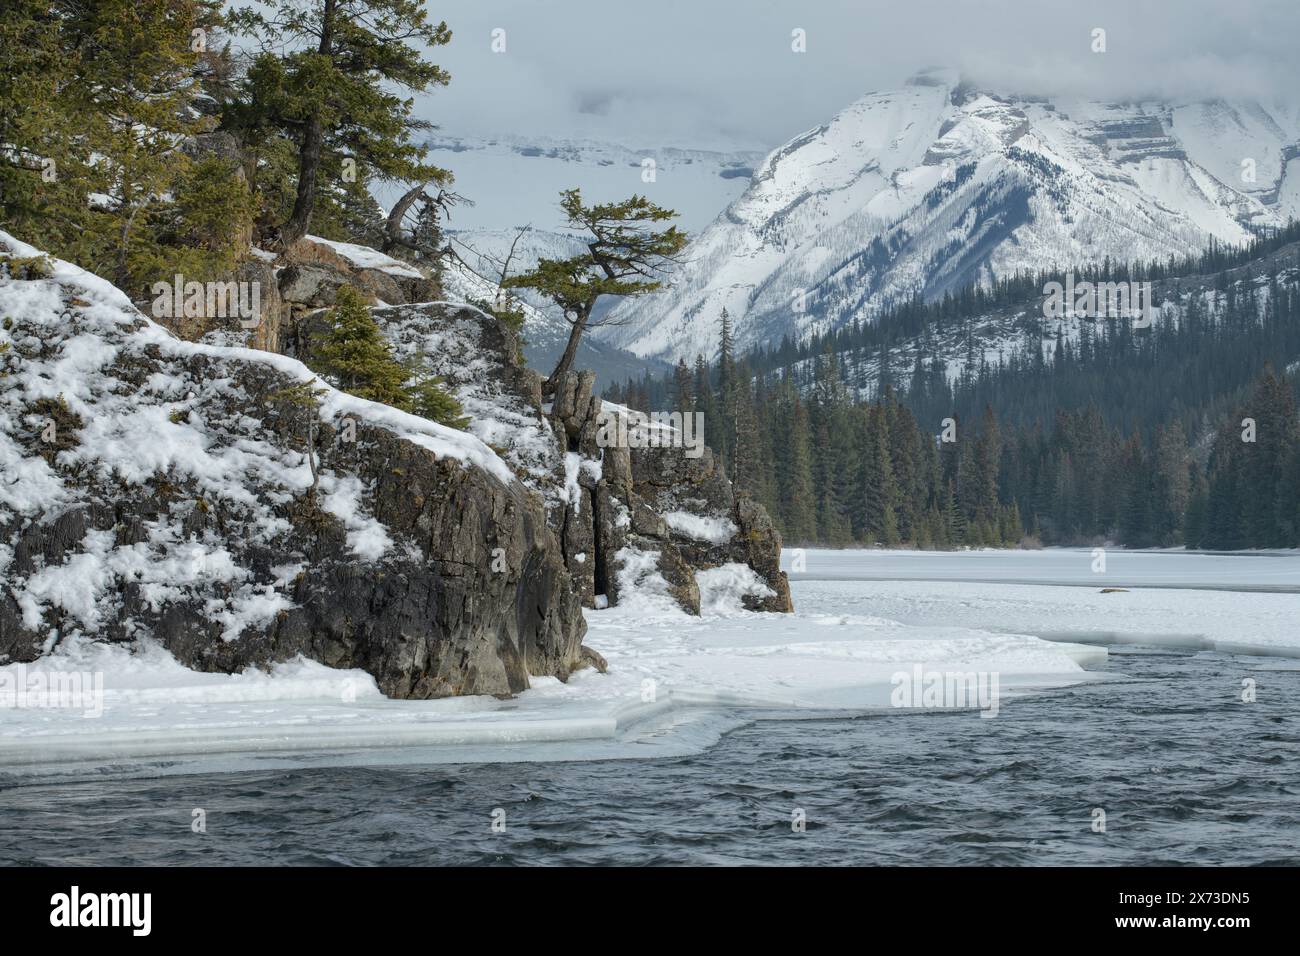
363	257
614	483
156	489
707	529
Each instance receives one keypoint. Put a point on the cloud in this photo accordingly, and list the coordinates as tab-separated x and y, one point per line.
722	72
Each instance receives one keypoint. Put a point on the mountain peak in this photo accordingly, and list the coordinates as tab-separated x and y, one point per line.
940	184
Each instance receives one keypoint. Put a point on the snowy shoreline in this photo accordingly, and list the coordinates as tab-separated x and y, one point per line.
675	684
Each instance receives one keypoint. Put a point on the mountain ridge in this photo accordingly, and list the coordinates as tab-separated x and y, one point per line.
941	184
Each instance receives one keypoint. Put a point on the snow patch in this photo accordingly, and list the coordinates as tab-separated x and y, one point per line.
710	530
363	257
724	588
367	537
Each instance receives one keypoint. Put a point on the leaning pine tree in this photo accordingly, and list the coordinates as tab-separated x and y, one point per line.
625	255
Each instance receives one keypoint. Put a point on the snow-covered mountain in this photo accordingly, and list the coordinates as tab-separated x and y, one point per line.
940	184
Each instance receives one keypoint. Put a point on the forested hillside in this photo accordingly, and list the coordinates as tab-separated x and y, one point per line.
973	420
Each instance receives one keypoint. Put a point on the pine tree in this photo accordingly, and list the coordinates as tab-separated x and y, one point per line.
1194	523
429	398
626	256
328	89
683	388
796	483
954	522
1172	481
98	114
44	166
706	404
747	465
356	358
875	513
726	352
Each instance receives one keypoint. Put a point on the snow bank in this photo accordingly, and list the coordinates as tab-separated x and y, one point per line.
674	683
723	588
642	588
363	257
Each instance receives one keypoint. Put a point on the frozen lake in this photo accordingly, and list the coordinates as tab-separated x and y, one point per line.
1246	571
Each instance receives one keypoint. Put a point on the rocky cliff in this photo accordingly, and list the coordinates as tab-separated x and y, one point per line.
631	512
214	497
635	504
207	498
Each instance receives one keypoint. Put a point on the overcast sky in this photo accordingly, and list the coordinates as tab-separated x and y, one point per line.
722	73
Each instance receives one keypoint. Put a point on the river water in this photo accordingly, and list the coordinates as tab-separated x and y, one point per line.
1183	770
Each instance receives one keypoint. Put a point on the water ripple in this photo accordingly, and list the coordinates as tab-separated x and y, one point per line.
1184	772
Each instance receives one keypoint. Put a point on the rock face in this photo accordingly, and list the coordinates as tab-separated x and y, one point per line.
204	498
303	279
208	498
666	499
630	510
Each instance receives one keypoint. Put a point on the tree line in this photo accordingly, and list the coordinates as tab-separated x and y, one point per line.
139	141
1184	433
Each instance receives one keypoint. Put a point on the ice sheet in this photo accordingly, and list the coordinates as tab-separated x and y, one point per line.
674	683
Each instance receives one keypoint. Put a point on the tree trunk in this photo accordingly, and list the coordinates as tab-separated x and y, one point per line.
566	360
308	165
393	228
313	142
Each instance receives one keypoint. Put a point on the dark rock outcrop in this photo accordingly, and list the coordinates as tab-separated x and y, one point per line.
180	505
623	511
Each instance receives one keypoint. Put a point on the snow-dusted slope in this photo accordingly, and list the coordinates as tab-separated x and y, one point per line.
998	335
938	185
223	503
85	361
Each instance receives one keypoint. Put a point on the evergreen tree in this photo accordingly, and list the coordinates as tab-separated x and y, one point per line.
875	513
98	110
355	357
325	81
726	353
625	256
795	482
684	390
747	461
